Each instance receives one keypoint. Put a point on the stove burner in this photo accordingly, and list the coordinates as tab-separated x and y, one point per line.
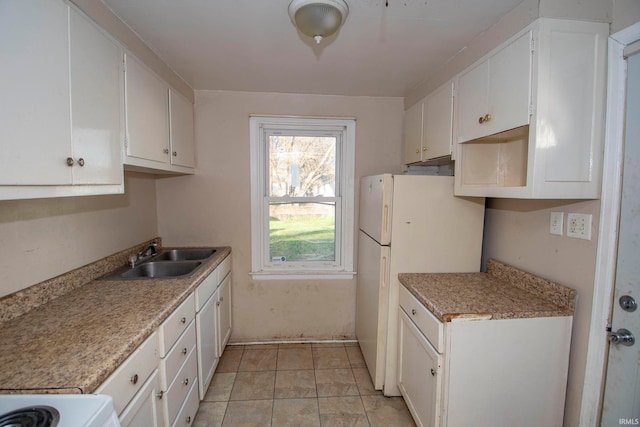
31	416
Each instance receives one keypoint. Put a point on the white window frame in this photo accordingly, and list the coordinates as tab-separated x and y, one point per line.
261	267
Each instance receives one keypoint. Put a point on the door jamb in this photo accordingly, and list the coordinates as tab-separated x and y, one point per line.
593	388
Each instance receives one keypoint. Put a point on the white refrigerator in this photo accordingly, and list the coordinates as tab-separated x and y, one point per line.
408	224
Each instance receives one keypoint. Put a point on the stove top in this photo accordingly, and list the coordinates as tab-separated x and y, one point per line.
57	410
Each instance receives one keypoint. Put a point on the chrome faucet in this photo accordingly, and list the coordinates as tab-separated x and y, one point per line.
149	251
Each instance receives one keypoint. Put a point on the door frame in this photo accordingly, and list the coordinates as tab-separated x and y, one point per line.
604	281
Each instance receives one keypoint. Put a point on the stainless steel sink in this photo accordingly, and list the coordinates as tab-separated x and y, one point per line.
184	254
154	269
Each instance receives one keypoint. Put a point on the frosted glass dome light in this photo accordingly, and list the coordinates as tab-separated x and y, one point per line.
318	18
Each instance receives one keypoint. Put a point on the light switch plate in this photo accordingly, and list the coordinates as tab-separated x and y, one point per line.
556	223
579	226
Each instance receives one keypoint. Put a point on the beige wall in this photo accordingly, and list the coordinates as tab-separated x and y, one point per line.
213	206
517	232
42	238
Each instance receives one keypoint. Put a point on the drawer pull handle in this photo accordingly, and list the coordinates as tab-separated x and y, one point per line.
160	394
413	311
433	372
189	419
184	350
186	381
183	320
134	379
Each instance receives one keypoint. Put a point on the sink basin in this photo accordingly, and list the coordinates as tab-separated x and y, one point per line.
161	269
184	254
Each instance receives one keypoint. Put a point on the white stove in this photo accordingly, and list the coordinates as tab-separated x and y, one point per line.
58	410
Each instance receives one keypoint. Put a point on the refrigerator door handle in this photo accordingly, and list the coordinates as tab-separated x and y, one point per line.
385	218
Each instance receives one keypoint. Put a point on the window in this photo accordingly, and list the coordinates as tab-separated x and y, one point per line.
302	195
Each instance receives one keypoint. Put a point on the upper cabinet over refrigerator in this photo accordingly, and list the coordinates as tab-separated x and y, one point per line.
530	115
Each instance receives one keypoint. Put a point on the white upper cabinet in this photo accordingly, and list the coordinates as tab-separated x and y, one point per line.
159	123
494	95
96	101
428	126
530	115
181	130
59	126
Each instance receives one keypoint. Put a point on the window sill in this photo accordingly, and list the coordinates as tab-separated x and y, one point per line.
301	275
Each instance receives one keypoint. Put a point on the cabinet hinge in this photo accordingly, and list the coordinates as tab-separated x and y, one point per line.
533	44
608	329
530	110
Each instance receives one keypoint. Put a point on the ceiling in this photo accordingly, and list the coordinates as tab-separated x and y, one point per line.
251	45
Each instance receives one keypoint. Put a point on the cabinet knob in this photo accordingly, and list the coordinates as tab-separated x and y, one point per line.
184	350
165	151
70	161
185	381
183	320
413	311
81	161
218	303
484	119
188	420
425	148
417	151
221	299
433	372
134	379
175	153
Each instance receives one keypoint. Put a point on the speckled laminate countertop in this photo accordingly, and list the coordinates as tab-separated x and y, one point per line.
503	292
73	343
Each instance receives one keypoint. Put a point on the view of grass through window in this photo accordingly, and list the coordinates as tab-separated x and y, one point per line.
302	209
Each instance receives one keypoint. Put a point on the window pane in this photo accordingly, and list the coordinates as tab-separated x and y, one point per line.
302	166
302	232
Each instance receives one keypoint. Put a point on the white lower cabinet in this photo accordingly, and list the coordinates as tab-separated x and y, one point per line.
213	321
418	370
143	409
133	384
480	372
178	366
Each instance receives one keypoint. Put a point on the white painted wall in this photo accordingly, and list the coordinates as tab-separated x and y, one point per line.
43	238
213	206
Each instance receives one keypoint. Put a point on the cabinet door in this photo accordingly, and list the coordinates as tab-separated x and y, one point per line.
418	373
143	410
473	101
412	142
438	123
224	313
181	125
147	113
207	343
96	104
35	135
510	86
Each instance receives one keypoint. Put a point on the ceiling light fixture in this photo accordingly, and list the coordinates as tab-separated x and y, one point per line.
318	18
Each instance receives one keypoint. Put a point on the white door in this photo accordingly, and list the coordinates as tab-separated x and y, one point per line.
371	304
621	403
207	331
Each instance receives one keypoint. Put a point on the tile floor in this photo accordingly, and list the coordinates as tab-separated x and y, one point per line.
297	385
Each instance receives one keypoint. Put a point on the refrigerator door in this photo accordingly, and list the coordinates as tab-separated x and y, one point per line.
371	304
376	192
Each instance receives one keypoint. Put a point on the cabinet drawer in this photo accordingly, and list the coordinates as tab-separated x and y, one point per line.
188	411
171	364
125	381
182	384
224	268
174	325
428	324
206	288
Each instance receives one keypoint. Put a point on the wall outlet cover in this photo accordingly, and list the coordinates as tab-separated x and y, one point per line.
579	226
556	223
